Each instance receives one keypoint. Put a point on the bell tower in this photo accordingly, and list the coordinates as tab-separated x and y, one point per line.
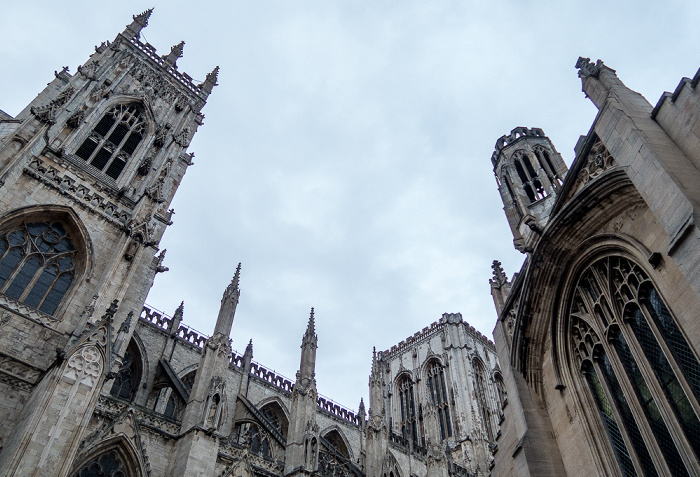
87	174
529	172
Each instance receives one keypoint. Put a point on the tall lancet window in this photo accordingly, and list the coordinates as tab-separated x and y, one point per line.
37	264
482	397
644	377
407	403
437	388
114	139
127	381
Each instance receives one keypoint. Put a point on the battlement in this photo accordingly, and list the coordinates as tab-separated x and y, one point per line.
183	79
260	372
515	135
430	331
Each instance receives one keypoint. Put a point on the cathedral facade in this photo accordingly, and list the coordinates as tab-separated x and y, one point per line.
95	383
597	334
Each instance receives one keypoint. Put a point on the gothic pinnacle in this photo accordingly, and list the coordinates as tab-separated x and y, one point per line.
175	52
210	81
142	18
311	327
140	21
180	310
229	302
233	289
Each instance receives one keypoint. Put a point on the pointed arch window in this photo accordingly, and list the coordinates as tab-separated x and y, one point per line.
407	402
481	394
646	368
114	139
129	376
437	389
37	264
108	464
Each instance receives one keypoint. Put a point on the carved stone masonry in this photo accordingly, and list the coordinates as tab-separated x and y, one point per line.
47	113
499	277
586	68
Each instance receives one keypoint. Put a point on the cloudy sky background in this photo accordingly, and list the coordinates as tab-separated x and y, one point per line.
345	156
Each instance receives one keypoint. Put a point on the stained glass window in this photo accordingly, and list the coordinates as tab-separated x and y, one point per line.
37	264
115	138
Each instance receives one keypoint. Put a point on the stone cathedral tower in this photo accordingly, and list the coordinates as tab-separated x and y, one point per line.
87	172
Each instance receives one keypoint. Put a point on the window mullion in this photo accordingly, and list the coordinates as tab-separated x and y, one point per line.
680	376
659	463
675	428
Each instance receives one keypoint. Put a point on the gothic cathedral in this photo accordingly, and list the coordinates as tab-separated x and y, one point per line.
95	383
598	333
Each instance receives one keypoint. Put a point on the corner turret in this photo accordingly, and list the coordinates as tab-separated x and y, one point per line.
529	173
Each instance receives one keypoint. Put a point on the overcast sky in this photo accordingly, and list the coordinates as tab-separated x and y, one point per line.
345	155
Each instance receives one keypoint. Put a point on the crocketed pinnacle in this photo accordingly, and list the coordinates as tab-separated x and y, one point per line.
310	338
249	349
175	53
307	366
229	302
210	81
133	30
180	311
142	18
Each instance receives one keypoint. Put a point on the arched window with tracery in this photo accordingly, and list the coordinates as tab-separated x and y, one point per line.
127	381
276	417
407	405
482	397
37	264
500	389
437	389
114	139
108	464
644	378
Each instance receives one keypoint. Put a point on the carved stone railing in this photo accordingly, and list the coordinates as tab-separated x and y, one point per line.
162	321
337	410
270	377
154	316
398	441
267	376
183	78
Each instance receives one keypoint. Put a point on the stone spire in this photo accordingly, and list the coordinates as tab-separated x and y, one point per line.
376	401
133	30
175	53
309	343
229	302
210	81
303	434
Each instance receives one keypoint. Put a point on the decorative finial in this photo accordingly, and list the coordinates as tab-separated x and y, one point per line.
249	348
586	68
499	276
179	313
233	289
210	81
140	22
175	53
142	18
237	275
311	328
